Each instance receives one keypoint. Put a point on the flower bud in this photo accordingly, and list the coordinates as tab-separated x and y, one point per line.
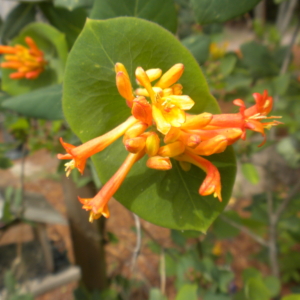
143	79
159	163
172	149
197	121
171	76
124	87
172	135
135	130
153	74
142	110
136	144
152	144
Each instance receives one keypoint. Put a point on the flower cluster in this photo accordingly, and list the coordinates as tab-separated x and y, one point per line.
29	62
160	129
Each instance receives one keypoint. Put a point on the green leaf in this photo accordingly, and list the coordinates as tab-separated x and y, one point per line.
281	84
44	103
199	46
250	273
217	11
291	297
18	18
222	229
53	44
188	291
160	12
250	173
273	284
73	4
93	106
227	64
155	294
68	22
256	290
259	60
5	162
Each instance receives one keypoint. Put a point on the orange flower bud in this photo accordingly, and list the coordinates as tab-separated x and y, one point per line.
152	144
136	144
172	149
144	80
197	121
121	68
171	76
172	135
141	110
159	163
216	144
193	140
124	87
135	130
153	74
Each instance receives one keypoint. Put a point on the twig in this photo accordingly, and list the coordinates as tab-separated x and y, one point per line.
162	271
137	248
287	57
272	240
285	19
244	229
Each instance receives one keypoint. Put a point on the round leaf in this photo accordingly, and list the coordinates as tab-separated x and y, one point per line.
53	44
92	106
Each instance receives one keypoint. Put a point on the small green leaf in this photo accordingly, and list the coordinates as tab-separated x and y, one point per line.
160	12
217	11
199	46
44	103
93	106
250	173
227	64
251	273
281	84
53	44
68	22
5	162
258	59
273	284
18	18
188	291
155	294
256	290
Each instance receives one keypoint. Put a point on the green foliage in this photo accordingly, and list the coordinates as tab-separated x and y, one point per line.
68	22
155	294
199	46
216	11
44	103
24	13
250	173
73	4
93	106
188	291
53	44
256	290
161	12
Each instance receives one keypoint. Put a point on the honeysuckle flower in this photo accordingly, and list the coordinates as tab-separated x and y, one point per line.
29	62
98	205
160	128
212	181
247	118
80	154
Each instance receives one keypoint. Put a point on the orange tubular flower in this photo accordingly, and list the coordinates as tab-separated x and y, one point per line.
247	118
29	62
98	204
161	128
212	182
80	154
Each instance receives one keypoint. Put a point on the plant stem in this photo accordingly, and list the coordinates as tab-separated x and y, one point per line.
137	248
244	229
